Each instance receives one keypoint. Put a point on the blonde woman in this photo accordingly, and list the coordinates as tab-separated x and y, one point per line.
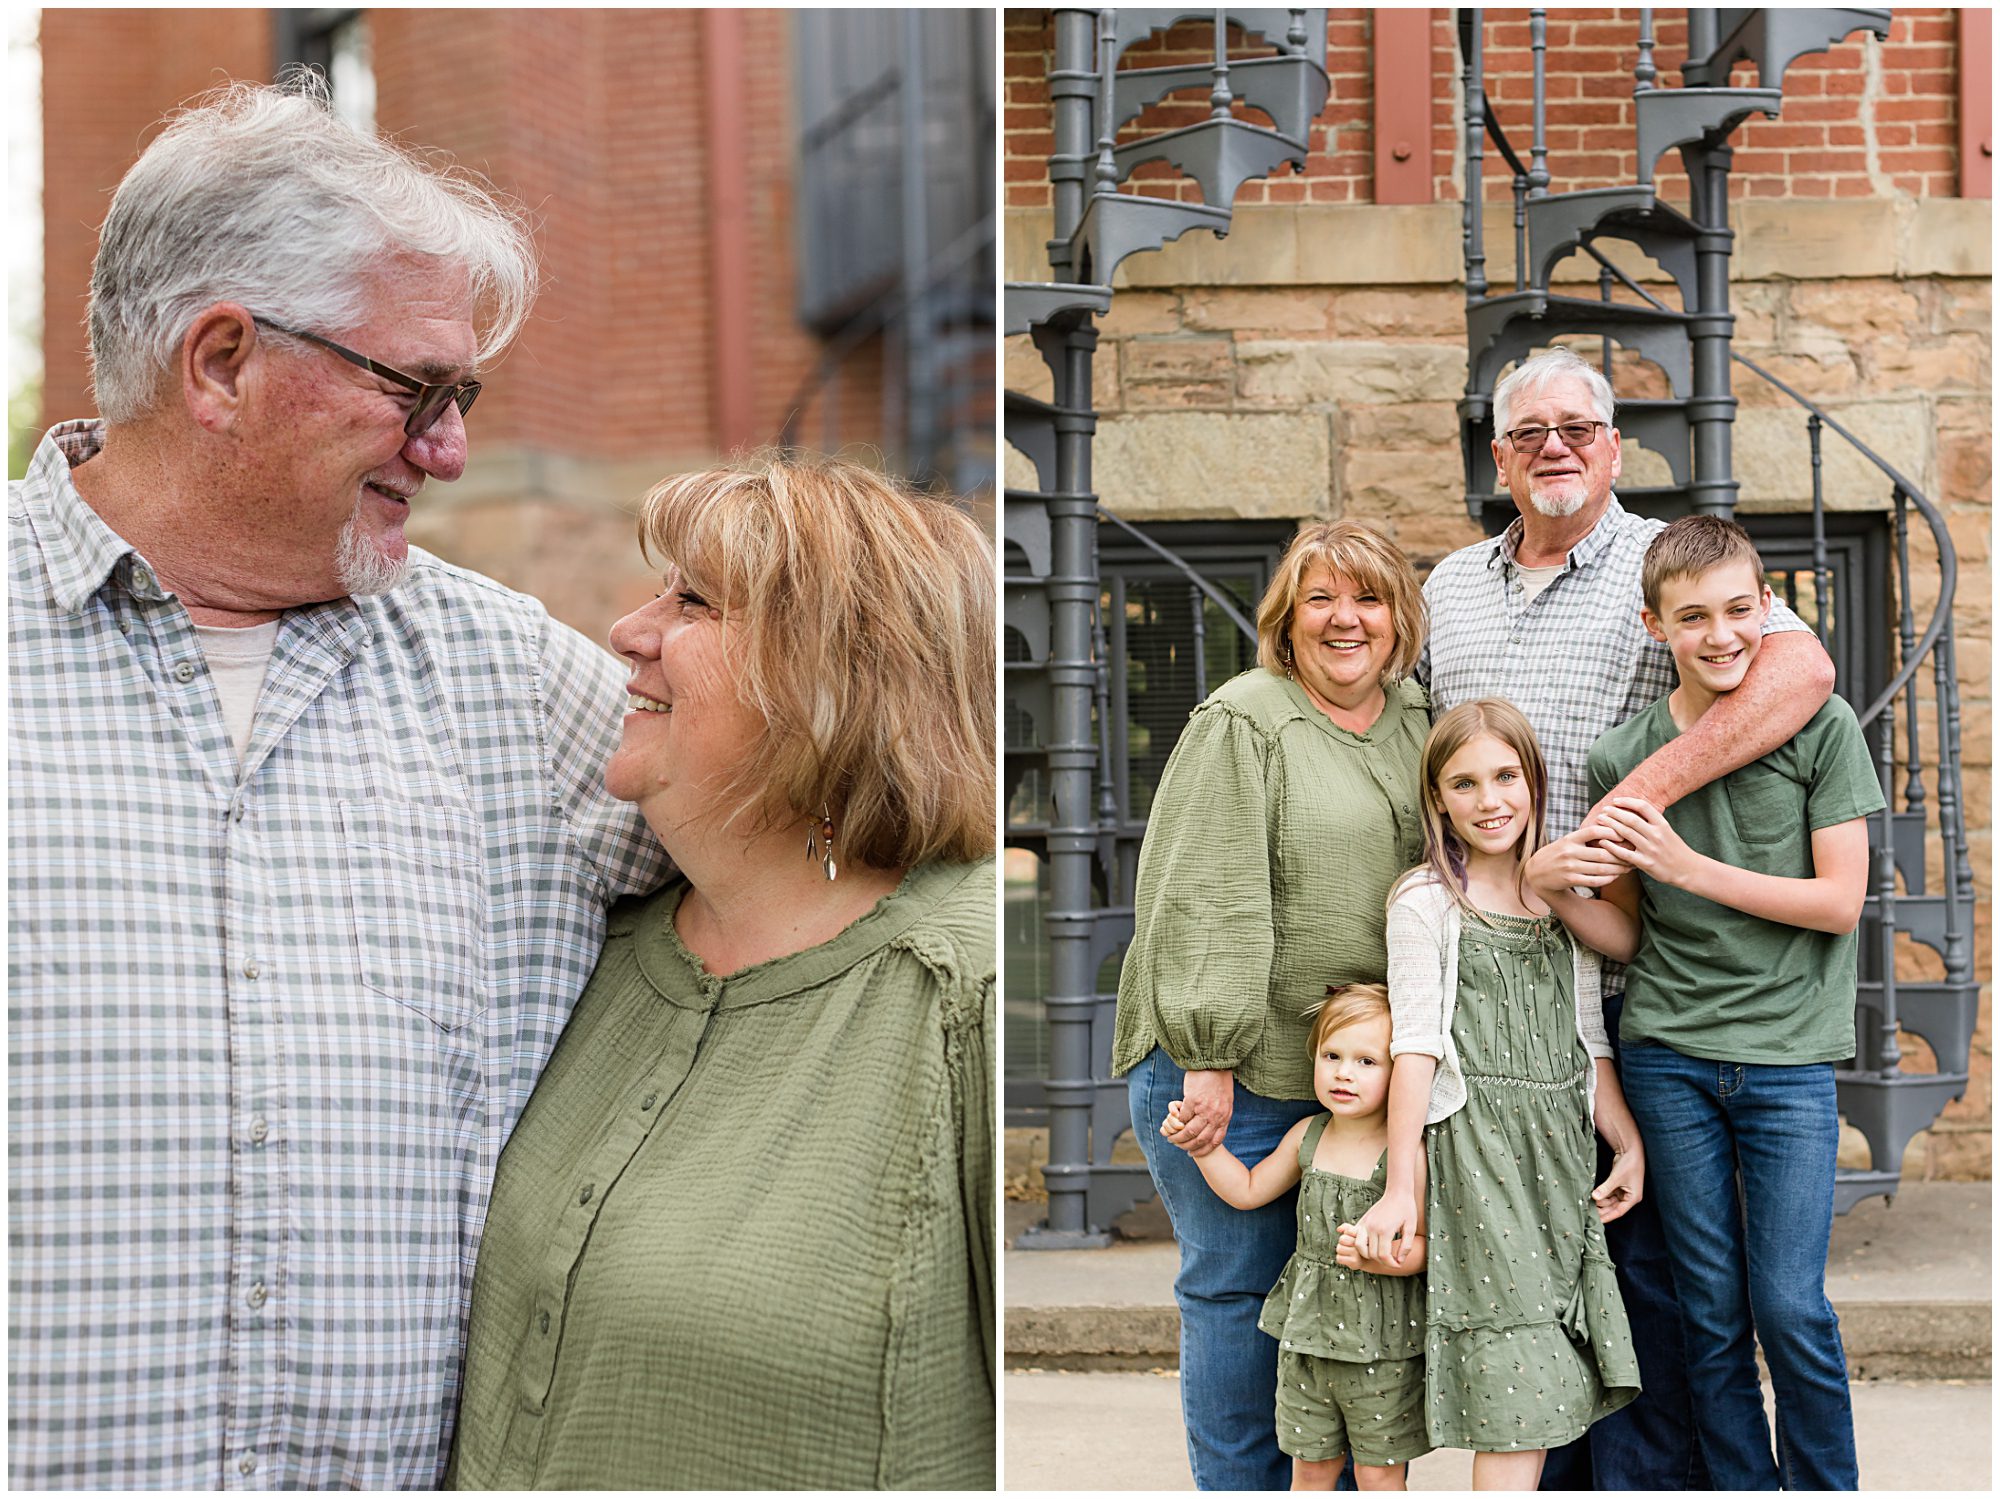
741	1237
1287	809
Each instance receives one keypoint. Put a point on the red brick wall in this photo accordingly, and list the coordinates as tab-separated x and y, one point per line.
1818	148
591	119
107	77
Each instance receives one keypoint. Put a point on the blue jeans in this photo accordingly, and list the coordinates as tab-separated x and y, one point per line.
1230	1259
1741	1158
1650	1444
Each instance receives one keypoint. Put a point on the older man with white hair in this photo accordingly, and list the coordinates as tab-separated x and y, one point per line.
1547	615
308	847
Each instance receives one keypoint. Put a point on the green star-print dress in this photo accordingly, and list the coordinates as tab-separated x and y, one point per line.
1324	1310
1526	1342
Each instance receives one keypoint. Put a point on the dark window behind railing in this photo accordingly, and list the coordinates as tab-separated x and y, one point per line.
1168	648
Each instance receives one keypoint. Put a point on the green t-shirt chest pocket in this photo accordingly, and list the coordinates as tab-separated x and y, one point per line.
1766	805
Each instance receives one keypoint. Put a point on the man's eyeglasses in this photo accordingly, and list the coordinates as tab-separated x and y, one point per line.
1531	440
431	399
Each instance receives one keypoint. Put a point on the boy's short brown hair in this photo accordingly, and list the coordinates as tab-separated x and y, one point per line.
1344	1006
1691	546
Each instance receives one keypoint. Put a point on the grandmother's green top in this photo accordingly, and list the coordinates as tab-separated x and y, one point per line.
1274	837
742	1236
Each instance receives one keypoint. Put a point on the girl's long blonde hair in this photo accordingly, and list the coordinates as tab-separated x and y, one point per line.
1444	851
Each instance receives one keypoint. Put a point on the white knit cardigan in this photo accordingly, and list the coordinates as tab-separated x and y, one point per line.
1423	991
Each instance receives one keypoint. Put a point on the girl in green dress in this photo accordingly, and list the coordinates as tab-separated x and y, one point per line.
1504	1065
1350	1330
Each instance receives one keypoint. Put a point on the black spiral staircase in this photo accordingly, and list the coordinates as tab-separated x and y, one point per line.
1055	674
1920	874
1857	590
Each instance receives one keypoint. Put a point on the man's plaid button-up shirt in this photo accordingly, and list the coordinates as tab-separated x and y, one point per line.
1574	659
269	1024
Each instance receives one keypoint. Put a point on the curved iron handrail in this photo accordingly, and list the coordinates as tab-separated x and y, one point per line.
1947	554
1209	590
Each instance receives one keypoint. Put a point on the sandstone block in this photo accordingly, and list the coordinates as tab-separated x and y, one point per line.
1024	369
1141	312
1427	539
1411	424
1378	485
1774	459
1957	362
1965	307
1261	249
1215	465
1965	476
1176	373
1799	239
1401	312
1259	310
1948	237
1871	307
1316	374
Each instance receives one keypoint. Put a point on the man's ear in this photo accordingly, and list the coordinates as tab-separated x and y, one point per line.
1652	623
215	356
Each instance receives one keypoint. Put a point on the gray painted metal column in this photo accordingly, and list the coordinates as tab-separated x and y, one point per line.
1071	1001
1711	409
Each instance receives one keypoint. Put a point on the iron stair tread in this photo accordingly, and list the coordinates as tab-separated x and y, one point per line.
1031	304
1669	117
1219	154
1265	83
1559	224
1116	225
1745	29
1540	304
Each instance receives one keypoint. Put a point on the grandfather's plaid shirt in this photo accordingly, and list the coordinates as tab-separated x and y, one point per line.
269	1025
1576	660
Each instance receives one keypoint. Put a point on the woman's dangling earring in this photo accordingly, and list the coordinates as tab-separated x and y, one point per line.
1288	659
819	842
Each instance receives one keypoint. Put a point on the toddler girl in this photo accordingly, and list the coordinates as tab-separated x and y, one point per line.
1349	1327
1503	1065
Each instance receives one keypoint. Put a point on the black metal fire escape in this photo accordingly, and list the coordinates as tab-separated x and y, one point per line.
1056	678
1690	429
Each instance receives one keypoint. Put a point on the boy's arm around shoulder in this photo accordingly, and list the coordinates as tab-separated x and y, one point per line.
1791	677
1842	790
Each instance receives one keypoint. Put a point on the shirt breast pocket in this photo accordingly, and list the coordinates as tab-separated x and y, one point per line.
417	886
1767	807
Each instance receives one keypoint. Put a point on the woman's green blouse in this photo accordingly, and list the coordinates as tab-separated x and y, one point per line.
1264	878
743	1234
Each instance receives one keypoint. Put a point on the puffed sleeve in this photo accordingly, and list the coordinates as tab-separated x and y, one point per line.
970	1064
1202	939
1416	974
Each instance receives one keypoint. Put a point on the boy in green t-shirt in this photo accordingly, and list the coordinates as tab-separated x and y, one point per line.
1738	919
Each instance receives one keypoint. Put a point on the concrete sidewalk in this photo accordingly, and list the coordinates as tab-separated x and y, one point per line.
1911	1280
1123	1431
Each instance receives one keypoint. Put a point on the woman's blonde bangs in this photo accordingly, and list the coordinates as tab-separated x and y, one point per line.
860	620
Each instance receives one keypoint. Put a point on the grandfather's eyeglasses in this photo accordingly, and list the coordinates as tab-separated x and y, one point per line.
1531	440
431	399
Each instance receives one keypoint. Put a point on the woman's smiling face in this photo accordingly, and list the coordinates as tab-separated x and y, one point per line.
1342	637
686	723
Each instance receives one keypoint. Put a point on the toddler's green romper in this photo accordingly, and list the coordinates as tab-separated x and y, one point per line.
1350	1344
1526	1343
